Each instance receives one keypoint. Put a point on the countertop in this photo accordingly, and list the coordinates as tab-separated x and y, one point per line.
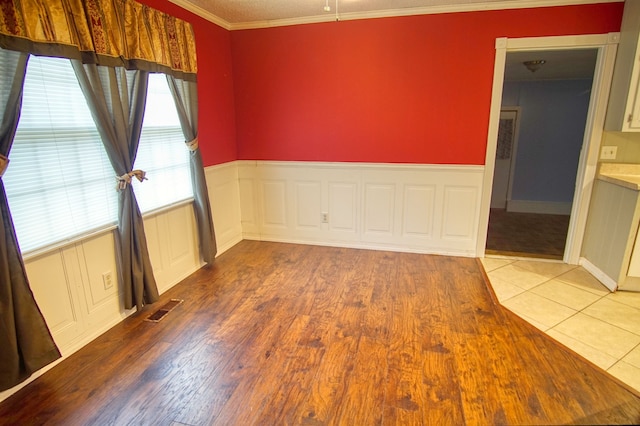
626	175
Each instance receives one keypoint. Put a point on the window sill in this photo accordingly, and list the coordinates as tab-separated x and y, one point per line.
41	251
32	254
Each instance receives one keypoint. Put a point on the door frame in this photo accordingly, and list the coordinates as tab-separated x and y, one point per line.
514	150
607	45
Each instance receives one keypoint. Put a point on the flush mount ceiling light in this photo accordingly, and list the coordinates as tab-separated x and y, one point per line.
535	65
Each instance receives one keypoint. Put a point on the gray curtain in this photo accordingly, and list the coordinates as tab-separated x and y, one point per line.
116	98
26	344
185	96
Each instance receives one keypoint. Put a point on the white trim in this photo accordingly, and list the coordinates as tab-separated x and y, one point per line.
203	13
514	152
587	41
465	168
540	207
218	167
224	193
514	148
607	281
389	13
606	45
602	78
362	246
168	207
41	251
492	143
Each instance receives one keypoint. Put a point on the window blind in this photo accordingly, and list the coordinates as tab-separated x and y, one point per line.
59	182
162	153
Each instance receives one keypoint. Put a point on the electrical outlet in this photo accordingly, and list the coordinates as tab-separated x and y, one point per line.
608	152
107	280
324	217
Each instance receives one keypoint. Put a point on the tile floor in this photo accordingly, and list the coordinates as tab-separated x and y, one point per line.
571	306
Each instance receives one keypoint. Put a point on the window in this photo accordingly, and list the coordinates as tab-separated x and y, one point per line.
162	153
59	181
60	184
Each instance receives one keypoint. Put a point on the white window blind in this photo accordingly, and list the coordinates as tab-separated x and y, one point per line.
162	152
59	182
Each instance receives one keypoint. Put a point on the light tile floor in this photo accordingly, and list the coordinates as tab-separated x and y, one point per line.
574	308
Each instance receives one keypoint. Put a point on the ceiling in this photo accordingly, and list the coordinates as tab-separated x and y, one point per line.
243	14
559	65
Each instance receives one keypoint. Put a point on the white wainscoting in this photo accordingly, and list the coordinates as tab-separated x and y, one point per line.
417	208
68	286
68	282
173	245
224	196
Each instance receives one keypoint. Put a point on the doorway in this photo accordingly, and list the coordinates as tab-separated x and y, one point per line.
506	150
604	47
544	114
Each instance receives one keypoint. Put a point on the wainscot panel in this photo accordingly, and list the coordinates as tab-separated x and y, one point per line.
416	208
224	196
173	245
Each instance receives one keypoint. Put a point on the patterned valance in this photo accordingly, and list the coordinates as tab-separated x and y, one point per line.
104	32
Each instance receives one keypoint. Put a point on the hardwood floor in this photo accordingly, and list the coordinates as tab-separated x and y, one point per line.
527	234
288	334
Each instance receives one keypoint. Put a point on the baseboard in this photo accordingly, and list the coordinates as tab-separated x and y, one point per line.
539	207
607	281
362	246
229	244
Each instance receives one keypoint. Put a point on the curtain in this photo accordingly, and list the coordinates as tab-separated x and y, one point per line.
116	98
104	32
185	96
26	345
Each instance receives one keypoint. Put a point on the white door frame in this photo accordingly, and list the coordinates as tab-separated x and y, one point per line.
514	149
607	45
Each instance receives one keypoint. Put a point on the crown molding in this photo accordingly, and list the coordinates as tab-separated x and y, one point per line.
203	13
286	22
389	13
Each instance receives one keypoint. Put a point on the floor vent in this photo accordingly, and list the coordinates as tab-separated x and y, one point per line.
158	315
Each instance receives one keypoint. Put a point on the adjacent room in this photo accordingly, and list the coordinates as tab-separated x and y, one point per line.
223	212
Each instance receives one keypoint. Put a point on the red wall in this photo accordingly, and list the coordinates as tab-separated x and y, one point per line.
408	89
216	111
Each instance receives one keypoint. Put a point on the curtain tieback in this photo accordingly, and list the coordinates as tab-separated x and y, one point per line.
4	162
193	144
126	178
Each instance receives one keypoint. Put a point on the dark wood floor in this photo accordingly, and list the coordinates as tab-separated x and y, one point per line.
527	234
277	334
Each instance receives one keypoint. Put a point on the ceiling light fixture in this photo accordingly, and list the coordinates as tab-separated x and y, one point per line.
535	65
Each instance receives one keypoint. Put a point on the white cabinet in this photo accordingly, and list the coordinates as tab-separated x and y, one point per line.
623	112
